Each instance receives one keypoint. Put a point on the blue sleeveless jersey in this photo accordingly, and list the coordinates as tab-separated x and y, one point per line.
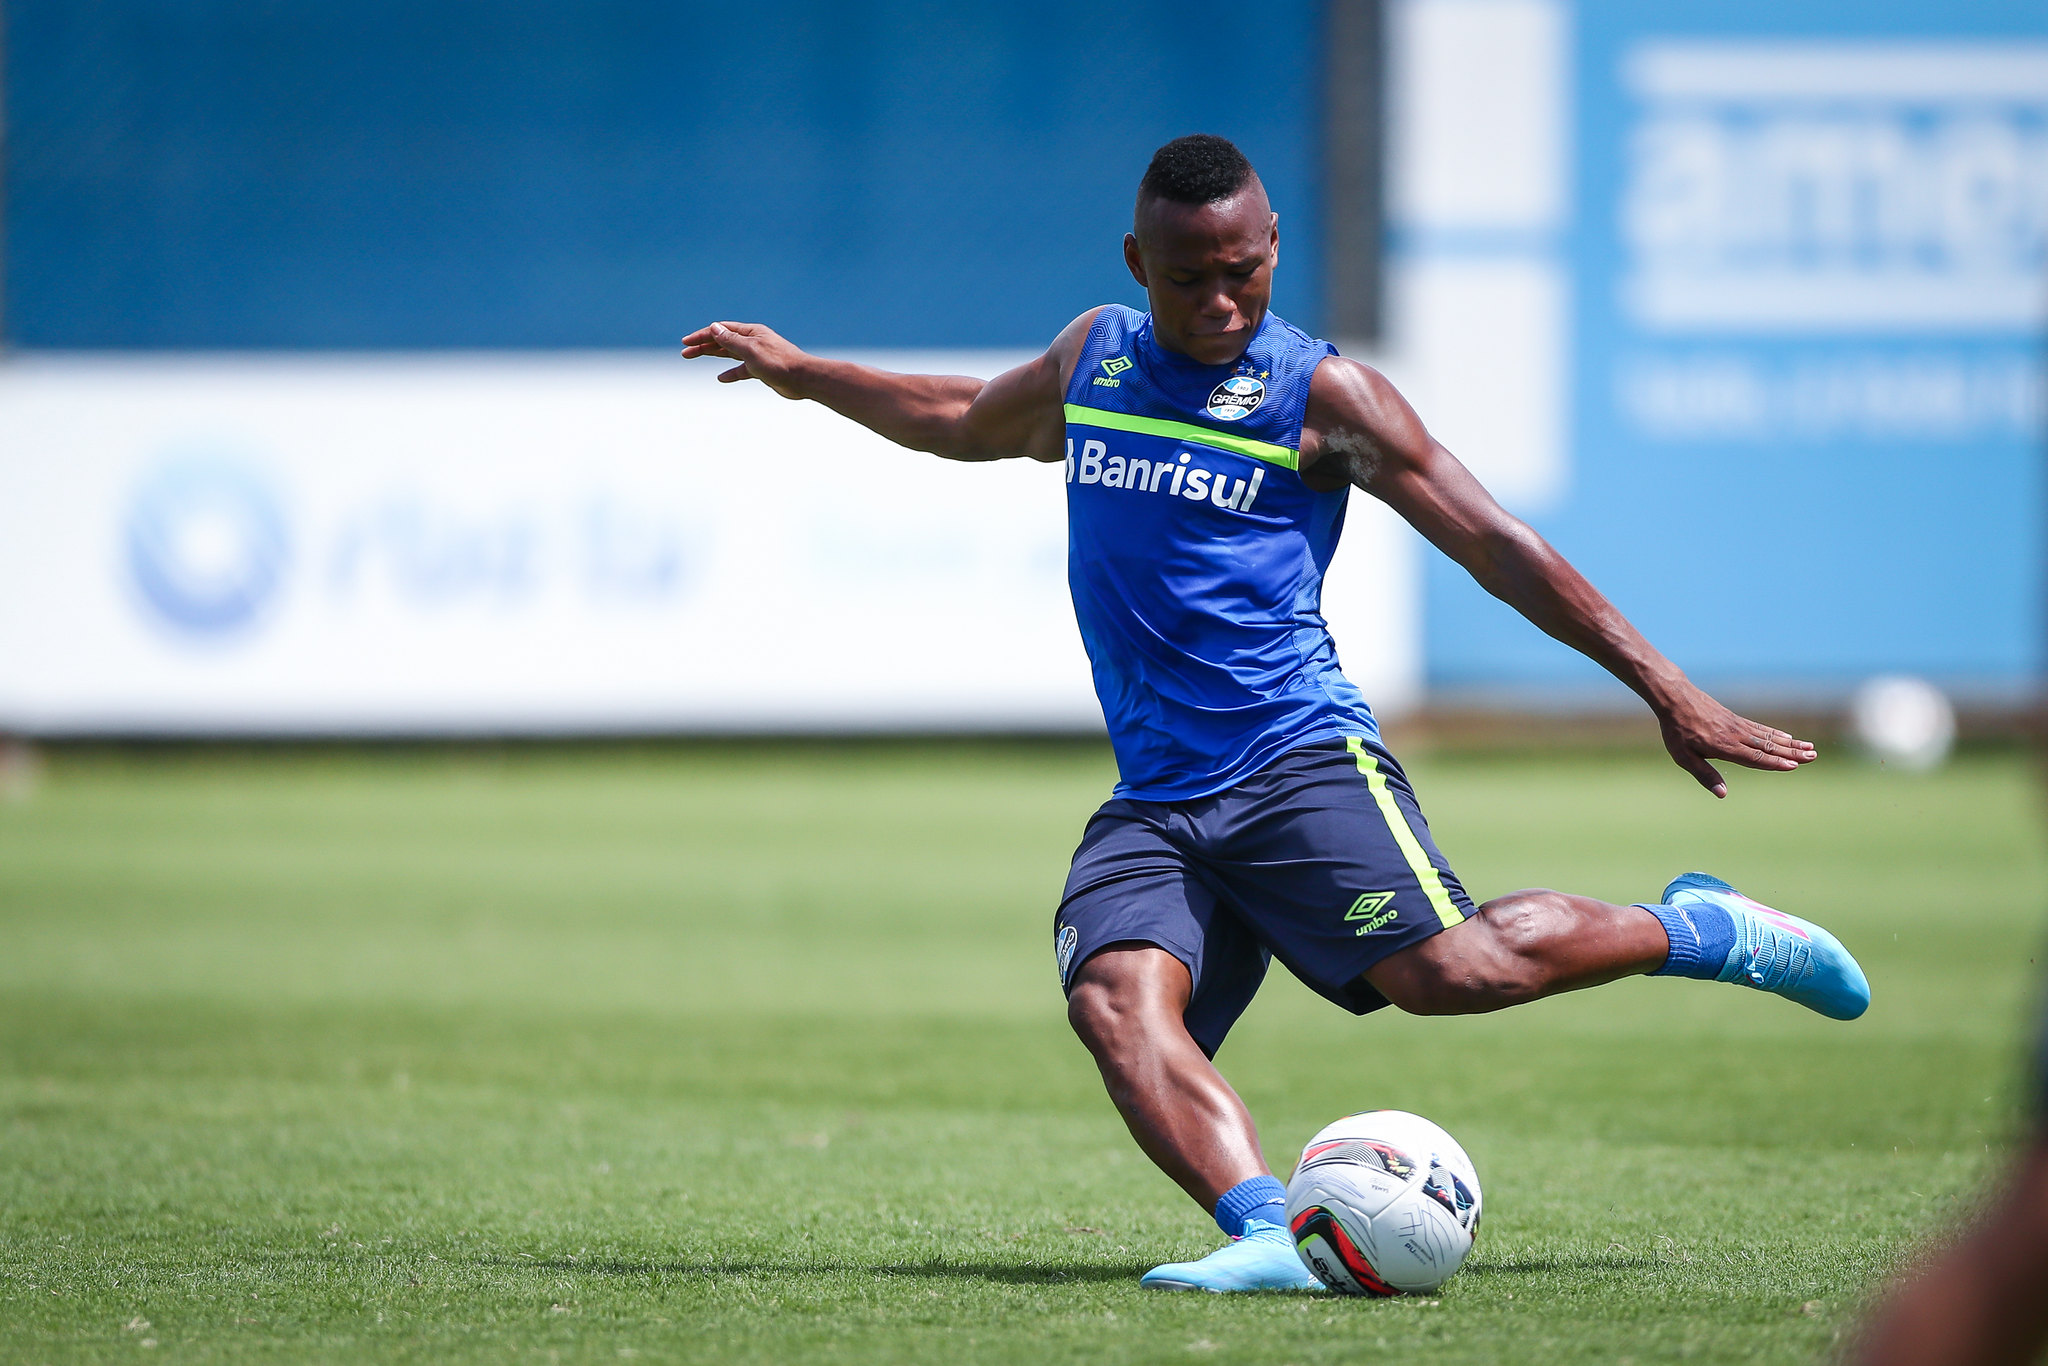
1196	557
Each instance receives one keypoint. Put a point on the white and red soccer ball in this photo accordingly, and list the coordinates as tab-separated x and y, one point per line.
1383	1203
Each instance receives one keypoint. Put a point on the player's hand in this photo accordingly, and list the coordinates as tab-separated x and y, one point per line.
762	354
1699	729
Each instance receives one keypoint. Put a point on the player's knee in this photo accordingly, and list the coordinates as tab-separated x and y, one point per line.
1111	1028
1117	999
1106	1014
1093	1012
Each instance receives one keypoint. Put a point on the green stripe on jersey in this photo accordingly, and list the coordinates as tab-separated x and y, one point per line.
1411	848
1285	456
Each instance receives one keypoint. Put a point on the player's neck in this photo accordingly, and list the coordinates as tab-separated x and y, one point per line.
1166	347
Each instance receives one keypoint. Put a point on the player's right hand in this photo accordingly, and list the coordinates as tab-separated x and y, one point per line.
762	354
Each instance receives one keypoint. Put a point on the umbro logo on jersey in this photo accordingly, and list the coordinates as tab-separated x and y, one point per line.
1111	368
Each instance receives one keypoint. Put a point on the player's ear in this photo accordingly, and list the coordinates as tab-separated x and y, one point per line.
1273	241
1134	261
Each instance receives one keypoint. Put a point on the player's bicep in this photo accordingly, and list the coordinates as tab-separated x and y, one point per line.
1367	431
1021	412
1008	417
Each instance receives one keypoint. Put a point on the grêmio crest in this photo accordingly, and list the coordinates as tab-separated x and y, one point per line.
1236	397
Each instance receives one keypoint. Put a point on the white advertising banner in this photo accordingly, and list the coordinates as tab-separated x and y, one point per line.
540	544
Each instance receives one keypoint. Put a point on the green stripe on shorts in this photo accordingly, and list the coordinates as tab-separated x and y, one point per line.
1411	848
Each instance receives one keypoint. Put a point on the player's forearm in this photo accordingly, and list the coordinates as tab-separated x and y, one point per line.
923	412
1524	571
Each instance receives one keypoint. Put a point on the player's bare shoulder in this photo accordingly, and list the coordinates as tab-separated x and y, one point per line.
1357	425
1067	347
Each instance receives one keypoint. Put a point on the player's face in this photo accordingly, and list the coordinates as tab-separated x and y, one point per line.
1208	271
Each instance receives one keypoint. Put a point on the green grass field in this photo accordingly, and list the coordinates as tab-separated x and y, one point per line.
757	1054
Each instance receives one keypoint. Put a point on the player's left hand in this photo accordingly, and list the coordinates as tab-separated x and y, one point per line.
1698	729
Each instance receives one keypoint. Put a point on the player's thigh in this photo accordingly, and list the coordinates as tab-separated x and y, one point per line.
1133	885
1331	858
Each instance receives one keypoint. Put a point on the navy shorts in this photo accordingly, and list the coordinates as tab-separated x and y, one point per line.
1322	859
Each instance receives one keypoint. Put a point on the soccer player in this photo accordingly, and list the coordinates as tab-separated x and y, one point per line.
1208	449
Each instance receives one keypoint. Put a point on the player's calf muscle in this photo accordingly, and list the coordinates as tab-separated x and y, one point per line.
1521	947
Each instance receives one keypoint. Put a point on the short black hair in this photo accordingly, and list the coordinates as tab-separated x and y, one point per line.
1200	168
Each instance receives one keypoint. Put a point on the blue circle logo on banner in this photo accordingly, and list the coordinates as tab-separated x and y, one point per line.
206	545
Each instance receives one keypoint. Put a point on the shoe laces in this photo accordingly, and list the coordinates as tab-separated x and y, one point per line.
1778	959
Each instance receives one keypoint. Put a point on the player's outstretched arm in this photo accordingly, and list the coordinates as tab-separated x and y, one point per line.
1360	430
1018	413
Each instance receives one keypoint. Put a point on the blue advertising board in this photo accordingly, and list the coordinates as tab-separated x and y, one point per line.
1807	278
391	175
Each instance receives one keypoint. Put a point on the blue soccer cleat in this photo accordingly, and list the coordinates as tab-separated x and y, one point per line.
1263	1259
1779	953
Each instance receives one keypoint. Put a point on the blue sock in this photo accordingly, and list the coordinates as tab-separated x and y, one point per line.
1262	1197
1701	937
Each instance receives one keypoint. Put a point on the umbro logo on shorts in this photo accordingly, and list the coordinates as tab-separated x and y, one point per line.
1375	909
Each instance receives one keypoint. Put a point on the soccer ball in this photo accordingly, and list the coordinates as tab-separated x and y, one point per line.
1906	722
1383	1203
